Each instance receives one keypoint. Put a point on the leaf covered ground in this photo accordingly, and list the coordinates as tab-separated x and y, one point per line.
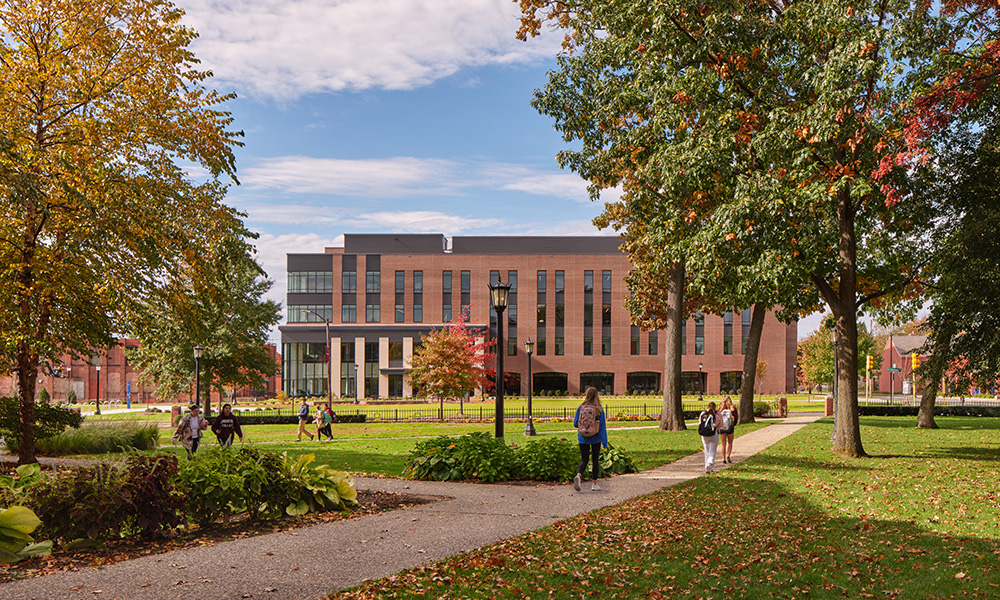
118	550
917	519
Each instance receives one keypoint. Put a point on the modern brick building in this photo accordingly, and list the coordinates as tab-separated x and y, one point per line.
381	292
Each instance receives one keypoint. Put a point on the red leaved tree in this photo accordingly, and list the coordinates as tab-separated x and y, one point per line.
453	361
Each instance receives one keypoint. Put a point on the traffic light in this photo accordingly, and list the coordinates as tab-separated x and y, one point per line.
868	363
916	361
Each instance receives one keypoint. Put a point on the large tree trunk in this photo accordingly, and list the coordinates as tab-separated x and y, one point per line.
933	373
750	363
27	378
672	415
847	434
843	305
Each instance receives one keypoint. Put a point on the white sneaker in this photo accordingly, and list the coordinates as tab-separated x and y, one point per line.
595	487
576	482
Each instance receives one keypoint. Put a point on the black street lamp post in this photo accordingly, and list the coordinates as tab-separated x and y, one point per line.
700	397
529	427
97	411
197	380
498	300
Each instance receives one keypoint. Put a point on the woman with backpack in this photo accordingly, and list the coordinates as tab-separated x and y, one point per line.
729	418
708	429
592	433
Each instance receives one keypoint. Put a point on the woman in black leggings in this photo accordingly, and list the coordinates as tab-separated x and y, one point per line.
592	433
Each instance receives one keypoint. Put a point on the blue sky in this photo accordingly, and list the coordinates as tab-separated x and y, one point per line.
369	116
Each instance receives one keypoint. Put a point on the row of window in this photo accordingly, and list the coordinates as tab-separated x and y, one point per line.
322	281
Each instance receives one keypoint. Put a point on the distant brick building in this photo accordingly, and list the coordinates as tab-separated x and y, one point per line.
108	375
381	292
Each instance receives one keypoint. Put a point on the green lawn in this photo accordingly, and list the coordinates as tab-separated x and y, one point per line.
382	448
918	519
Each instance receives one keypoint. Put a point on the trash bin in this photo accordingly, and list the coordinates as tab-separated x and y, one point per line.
782	406
175	413
829	406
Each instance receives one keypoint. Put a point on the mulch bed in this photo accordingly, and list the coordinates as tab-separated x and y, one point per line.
113	551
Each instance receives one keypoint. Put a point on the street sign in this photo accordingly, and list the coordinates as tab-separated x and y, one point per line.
894	370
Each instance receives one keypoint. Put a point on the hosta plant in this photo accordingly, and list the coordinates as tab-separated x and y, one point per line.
320	487
16	525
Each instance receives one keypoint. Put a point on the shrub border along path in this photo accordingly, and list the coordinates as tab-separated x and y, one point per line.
310	563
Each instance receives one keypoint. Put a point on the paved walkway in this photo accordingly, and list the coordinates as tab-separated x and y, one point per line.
308	563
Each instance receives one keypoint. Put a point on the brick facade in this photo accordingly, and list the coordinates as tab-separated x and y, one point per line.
572	257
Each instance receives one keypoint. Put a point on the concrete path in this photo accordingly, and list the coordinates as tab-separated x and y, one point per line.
309	563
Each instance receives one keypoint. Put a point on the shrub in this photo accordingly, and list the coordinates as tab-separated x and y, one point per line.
153	507
268	484
101	438
12	490
210	486
761	409
288	419
50	420
617	461
482	456
548	459
84	503
44	396
223	481
319	487
435	459
939	411
71	397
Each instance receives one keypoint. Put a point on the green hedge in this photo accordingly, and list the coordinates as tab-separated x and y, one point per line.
252	419
939	411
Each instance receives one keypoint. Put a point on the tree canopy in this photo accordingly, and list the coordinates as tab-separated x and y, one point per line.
781	132
105	115
219	306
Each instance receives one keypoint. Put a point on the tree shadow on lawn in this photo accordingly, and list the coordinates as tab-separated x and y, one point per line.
716	536
771	462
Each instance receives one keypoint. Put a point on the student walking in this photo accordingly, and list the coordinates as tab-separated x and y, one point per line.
324	418
708	429
729	418
304	420
227	426
592	433
189	429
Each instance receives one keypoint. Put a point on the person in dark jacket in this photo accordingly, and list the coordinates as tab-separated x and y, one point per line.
227	426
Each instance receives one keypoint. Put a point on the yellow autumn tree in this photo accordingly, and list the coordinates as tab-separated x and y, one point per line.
104	116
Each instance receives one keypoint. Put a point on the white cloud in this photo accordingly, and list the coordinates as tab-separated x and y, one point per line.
407	176
294	47
379	178
420	222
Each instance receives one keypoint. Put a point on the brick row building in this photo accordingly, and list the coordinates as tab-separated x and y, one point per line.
381	292
109	376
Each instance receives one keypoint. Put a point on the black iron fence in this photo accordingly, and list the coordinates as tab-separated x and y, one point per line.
476	412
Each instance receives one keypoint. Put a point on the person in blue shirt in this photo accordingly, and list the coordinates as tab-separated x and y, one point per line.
590	443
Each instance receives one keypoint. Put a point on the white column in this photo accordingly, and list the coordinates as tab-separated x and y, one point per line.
359	364
383	363
407	362
335	381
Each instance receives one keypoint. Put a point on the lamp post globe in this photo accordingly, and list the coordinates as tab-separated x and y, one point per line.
529	427
499	293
